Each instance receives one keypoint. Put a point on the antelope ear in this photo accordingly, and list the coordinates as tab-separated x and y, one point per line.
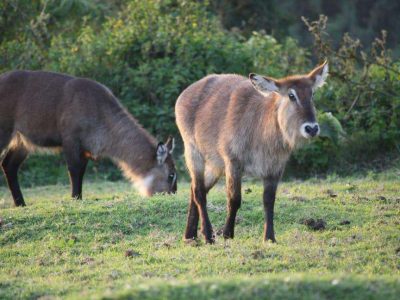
162	153
319	75
263	84
170	144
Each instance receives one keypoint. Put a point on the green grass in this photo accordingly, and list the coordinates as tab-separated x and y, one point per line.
61	248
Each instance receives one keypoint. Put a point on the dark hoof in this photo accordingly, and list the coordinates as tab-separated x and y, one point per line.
190	235
20	204
228	235
209	238
209	235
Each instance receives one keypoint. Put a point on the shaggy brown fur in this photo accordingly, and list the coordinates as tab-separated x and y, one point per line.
52	111
235	126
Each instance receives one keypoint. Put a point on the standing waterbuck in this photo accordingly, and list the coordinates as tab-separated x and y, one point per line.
235	126
52	111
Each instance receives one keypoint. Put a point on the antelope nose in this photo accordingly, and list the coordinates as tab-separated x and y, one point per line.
312	130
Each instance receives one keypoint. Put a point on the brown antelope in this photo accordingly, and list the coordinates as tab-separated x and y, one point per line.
44	110
235	126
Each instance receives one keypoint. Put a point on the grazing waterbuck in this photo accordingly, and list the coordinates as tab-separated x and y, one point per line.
237	126
53	112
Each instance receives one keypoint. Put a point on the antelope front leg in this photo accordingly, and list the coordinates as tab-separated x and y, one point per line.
233	190
10	165
270	186
76	164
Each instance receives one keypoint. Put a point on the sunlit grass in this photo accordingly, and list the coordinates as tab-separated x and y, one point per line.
65	248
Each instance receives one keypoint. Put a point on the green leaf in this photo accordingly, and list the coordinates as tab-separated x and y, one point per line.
330	127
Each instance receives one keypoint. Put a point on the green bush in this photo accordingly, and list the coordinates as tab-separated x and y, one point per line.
363	93
147	52
154	49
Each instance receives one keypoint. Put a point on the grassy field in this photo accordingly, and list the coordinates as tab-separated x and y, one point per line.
115	244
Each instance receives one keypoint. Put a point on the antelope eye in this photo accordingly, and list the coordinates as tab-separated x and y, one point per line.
172	178
292	97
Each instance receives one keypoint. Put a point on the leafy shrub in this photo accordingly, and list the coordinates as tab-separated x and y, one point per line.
153	50
363	93
319	154
147	52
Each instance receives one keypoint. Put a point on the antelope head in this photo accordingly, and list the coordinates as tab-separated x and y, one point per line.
296	110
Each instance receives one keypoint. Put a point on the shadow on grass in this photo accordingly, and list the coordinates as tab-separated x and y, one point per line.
90	218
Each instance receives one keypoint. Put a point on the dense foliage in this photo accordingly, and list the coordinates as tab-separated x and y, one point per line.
280	18
147	52
364	94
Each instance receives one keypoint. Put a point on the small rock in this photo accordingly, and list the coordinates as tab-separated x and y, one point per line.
382	198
